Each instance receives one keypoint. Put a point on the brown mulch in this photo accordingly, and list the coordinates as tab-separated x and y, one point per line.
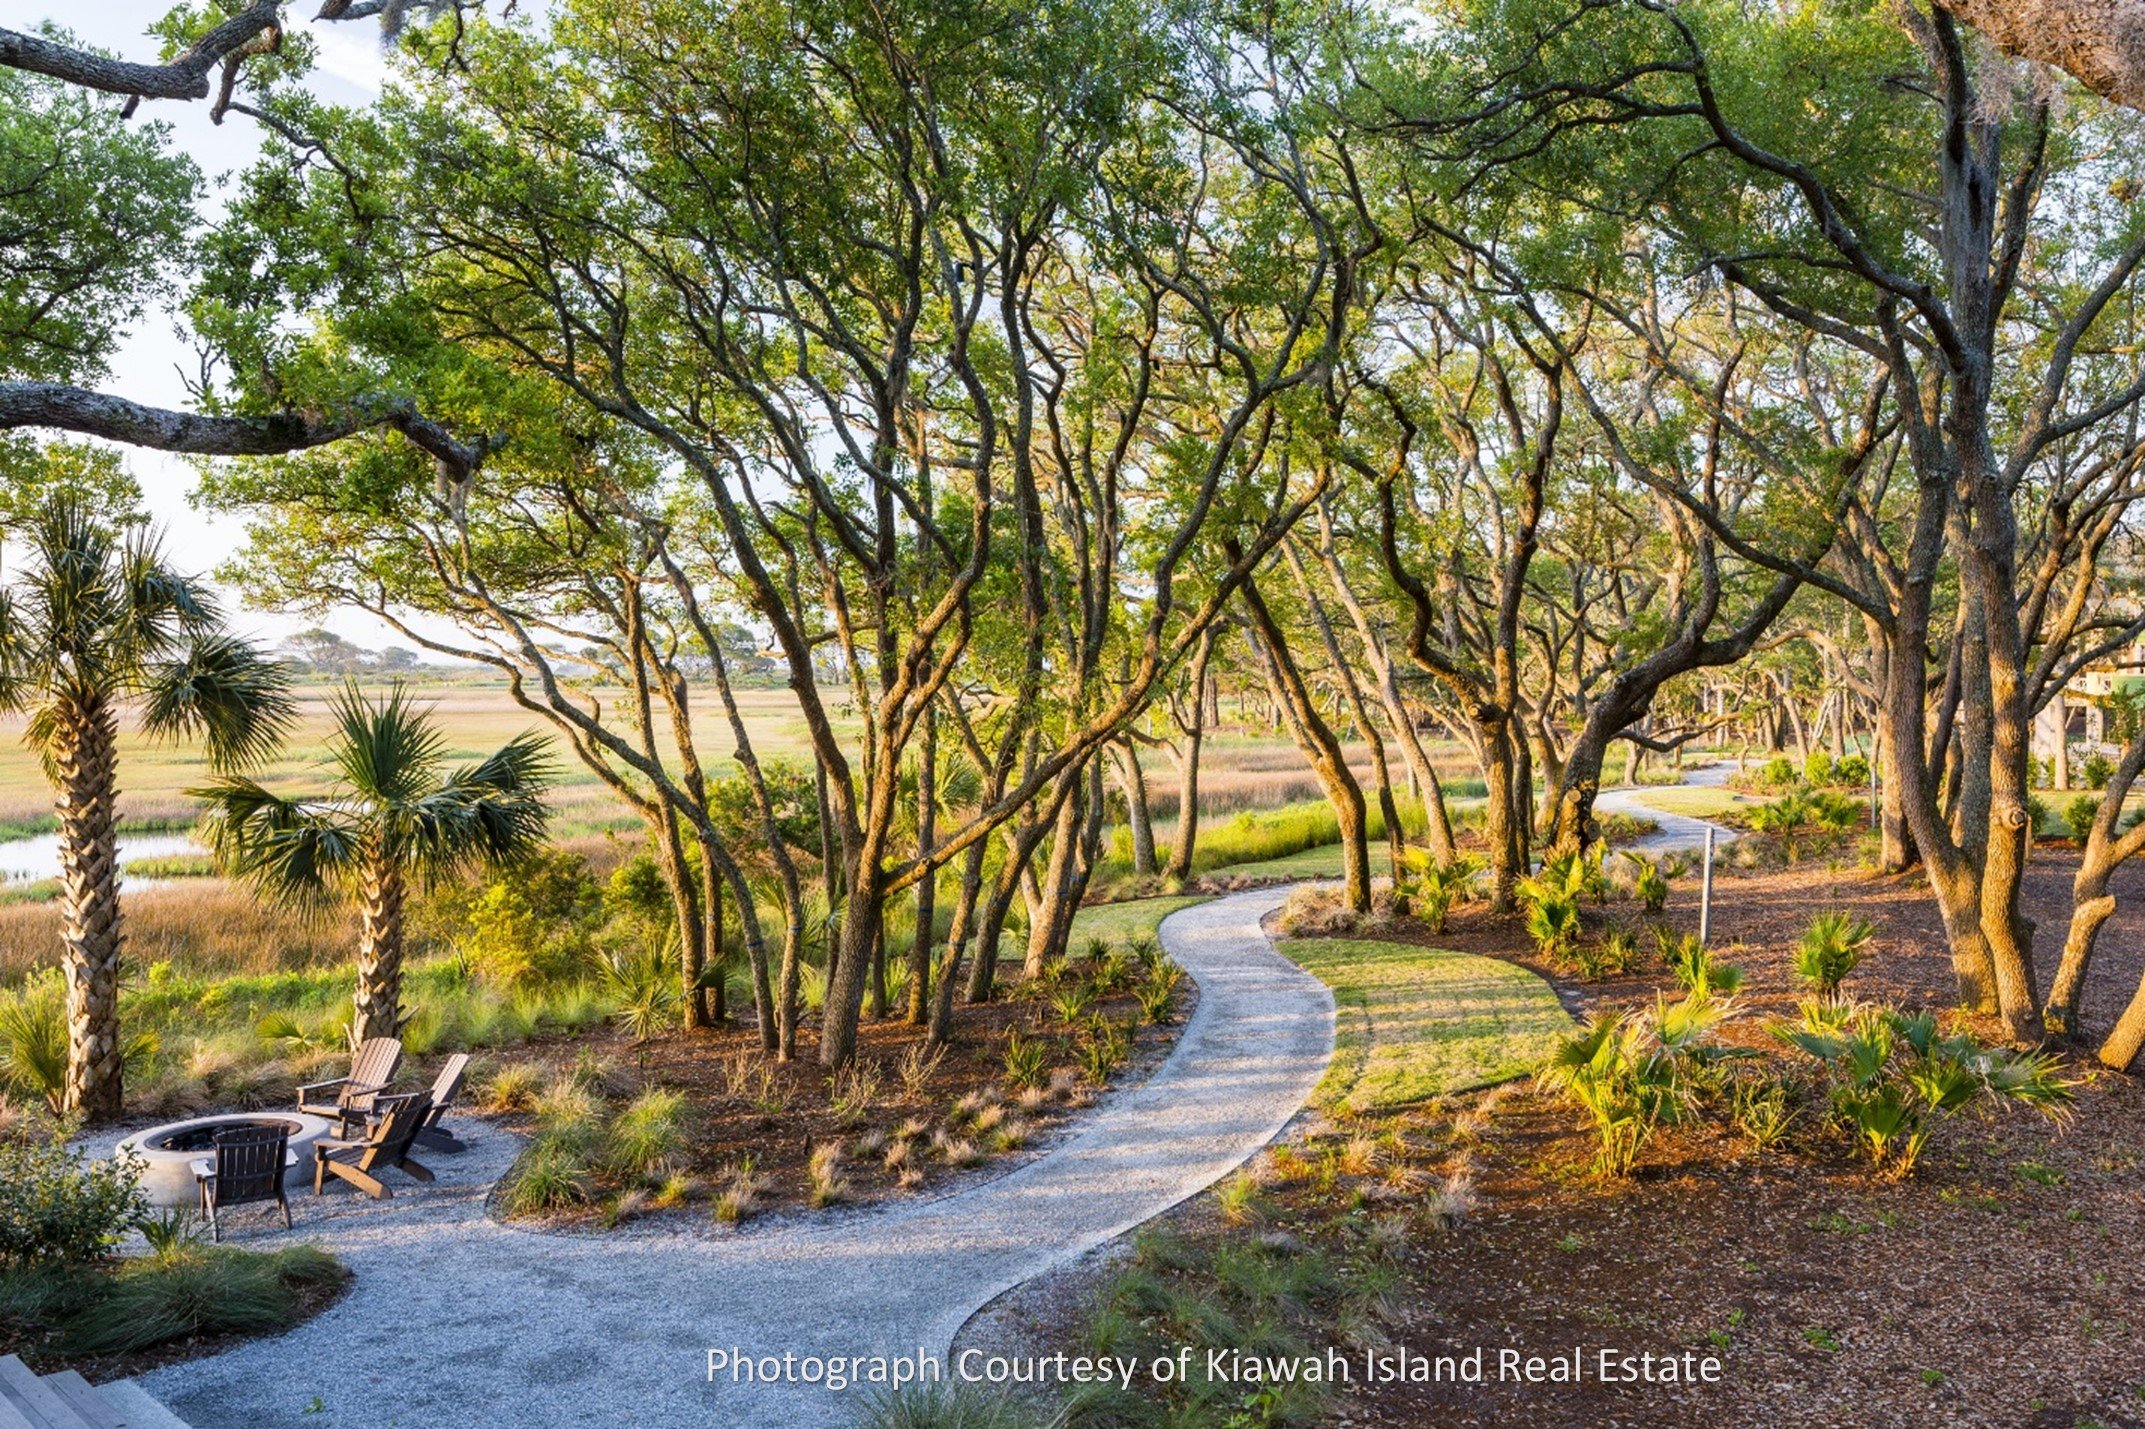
1999	1286
723	1130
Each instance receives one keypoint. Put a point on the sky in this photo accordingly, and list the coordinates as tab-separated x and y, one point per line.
351	70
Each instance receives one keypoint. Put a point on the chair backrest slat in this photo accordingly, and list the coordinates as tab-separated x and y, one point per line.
372	1068
448	1084
249	1163
400	1118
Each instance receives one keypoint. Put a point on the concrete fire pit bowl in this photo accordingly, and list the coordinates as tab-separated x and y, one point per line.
169	1152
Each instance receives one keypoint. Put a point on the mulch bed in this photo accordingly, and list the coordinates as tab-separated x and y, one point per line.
724	1129
2001	1285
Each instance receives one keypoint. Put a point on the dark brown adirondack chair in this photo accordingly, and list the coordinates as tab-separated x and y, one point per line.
350	1100
387	1142
248	1167
445	1088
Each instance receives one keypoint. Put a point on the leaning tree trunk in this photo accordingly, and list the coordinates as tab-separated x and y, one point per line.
1138	817
1321	747
2092	904
927	888
381	896
84	750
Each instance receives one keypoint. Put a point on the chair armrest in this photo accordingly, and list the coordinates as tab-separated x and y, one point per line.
334	1143
204	1169
311	1087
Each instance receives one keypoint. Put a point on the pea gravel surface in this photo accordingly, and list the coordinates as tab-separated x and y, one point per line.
455	1319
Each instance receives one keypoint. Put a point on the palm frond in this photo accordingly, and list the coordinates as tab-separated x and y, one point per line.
289	850
388	749
162	606
228	693
491	812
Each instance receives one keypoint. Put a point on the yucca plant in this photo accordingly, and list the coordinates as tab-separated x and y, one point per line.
1830	949
1071	1003
1648	884
395	811
1024	1058
1434	890
1553	922
1693	965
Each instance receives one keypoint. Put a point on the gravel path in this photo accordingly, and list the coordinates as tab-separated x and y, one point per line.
457	1320
1678	833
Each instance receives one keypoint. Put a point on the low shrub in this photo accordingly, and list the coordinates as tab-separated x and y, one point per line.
2078	817
1632	1073
60	1207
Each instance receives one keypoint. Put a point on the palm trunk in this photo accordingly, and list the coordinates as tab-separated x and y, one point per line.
84	757
381	897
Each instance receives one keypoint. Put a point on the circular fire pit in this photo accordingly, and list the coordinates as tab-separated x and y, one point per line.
169	1152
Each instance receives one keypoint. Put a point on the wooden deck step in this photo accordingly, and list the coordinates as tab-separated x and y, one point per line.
33	1399
67	1401
92	1408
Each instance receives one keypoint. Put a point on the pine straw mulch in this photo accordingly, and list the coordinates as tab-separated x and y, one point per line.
2000	1286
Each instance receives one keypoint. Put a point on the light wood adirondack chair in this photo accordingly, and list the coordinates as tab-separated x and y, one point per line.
372	1072
445	1088
386	1143
248	1167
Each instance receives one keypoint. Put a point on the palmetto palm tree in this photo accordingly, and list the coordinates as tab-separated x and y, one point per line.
396	812
95	621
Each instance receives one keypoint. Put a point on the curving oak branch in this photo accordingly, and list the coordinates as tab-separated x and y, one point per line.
186	77
58	407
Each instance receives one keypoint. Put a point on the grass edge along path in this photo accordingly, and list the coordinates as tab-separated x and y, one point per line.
1414	1023
1132	918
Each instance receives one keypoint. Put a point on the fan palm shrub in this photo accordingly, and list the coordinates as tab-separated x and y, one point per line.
97	619
395	812
1830	949
1634	1073
1894	1081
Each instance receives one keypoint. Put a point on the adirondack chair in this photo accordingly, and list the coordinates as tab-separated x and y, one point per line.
350	1100
445	1088
387	1142
248	1167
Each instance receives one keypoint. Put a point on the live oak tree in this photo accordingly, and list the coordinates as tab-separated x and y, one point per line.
1902	225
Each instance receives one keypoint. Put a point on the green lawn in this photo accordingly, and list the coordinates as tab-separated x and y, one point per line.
1698	801
1321	862
1115	922
1416	1023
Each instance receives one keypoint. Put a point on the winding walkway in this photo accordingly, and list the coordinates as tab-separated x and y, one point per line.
457	1320
1677	833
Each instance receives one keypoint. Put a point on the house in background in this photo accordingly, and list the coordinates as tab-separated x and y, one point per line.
2074	725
